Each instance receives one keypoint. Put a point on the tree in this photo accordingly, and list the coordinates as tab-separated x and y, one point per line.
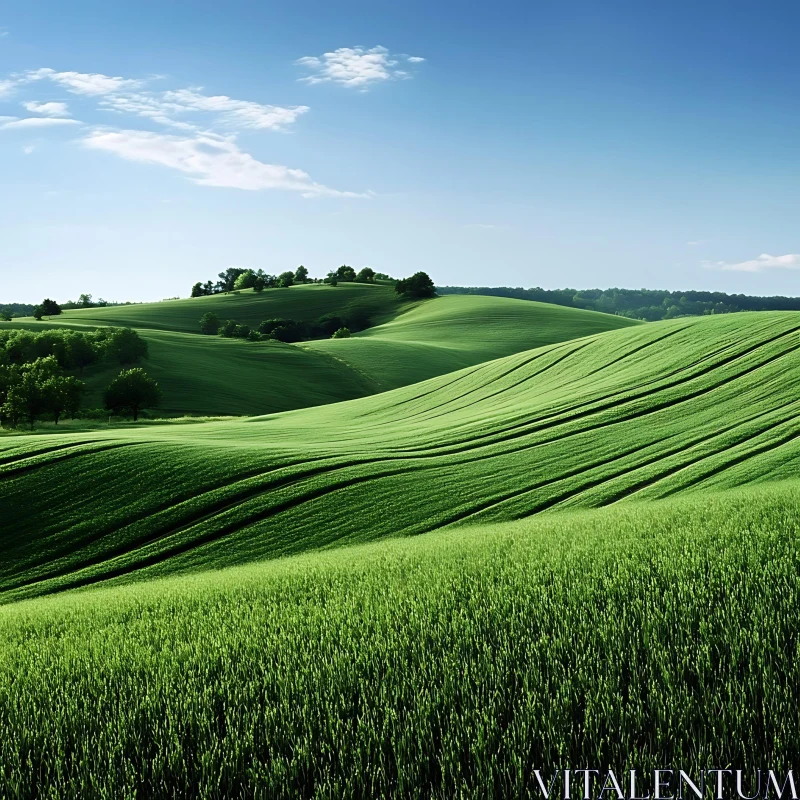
5	315
342	333
419	286
132	390
366	275
38	312
301	274
85	301
285	279
198	290
330	323
79	351
228	329
332	278
259	283
245	280
345	273
50	307
26	397
126	346
228	278
62	394
209	323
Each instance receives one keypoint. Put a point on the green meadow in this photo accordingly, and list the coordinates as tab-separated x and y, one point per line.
527	536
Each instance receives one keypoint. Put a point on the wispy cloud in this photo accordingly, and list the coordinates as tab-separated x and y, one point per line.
47	109
238	113
38	122
356	67
6	88
764	262
209	161
86	83
3	32
28	149
697	242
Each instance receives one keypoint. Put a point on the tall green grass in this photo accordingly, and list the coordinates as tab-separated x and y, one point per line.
449	665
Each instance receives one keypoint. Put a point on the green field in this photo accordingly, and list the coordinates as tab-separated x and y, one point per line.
580	553
450	665
207	375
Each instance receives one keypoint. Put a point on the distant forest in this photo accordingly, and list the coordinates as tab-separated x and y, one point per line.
648	304
17	309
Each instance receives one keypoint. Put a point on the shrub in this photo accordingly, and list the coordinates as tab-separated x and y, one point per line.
342	333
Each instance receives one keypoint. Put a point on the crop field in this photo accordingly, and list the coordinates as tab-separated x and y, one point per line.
639	413
438	666
581	553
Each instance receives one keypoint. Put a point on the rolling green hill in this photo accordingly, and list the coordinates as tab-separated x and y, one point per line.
633	414
207	375
458	331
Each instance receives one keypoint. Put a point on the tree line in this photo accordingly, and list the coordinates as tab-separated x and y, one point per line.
287	330
236	278
646	304
34	383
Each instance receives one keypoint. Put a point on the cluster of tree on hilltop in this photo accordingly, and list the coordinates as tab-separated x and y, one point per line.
34	383
647	304
236	278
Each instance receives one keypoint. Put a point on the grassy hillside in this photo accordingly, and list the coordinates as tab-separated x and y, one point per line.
307	302
450	665
449	333
207	375
639	413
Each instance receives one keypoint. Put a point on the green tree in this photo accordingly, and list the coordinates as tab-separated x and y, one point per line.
366	275
5	315
259	284
50	308
62	394
228	329
26	398
245	280
286	279
419	286
301	274
80	351
345	273
198	290
132	390
85	301
342	333
126	346
38	312
209	323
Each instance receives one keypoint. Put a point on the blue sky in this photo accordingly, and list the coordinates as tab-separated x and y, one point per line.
148	145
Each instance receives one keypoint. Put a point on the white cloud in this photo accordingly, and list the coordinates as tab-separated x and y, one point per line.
28	149
3	32
6	88
764	261
47	109
209	160
38	122
88	83
242	113
356	67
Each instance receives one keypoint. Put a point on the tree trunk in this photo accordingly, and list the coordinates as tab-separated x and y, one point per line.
135	410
